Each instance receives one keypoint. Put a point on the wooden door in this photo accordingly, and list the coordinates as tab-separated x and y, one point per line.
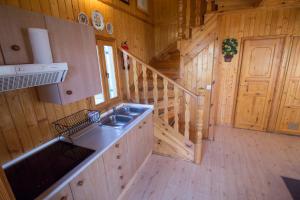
91	183
14	23
260	63
64	194
288	120
75	44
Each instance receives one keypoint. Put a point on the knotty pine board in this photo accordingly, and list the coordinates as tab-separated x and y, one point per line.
24	120
248	23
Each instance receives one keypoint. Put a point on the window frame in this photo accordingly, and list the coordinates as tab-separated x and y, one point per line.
100	43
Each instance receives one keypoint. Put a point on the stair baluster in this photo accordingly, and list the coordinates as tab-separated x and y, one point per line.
135	80
155	94
176	109
145	84
166	111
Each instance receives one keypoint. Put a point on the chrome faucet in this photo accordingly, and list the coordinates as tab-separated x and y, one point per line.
114	110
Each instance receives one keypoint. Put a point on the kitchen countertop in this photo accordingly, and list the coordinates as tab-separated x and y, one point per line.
95	137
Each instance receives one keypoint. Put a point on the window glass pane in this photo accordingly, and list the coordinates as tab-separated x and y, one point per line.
99	98
110	69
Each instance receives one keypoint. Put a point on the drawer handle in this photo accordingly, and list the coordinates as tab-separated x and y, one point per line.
120	167
118	156
140	127
15	47
121	177
64	198
80	183
69	92
117	145
144	122
122	187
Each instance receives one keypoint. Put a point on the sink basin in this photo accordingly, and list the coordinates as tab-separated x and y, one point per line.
116	120
132	111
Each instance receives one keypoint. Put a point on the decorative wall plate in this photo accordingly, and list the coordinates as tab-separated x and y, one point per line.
109	28
98	20
83	18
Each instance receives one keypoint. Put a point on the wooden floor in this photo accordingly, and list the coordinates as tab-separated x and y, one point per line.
239	164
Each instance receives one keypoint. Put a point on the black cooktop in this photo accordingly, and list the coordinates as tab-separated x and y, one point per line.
33	175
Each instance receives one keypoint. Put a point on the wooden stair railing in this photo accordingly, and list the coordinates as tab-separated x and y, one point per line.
184	134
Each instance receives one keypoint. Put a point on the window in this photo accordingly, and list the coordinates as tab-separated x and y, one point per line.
99	98
109	73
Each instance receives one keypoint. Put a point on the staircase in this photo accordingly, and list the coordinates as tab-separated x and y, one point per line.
178	112
168	62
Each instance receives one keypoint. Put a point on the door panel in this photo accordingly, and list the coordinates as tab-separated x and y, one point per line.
288	120
259	68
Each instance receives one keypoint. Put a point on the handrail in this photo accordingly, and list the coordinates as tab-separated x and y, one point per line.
162	75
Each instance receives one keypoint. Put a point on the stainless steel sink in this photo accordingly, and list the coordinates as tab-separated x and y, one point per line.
116	120
132	111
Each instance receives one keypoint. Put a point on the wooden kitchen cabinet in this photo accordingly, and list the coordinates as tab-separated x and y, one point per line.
64	194
75	44
117	169
14	39
91	183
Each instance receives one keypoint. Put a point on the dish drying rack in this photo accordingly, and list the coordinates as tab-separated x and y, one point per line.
76	122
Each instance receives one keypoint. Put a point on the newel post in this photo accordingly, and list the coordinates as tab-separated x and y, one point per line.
199	129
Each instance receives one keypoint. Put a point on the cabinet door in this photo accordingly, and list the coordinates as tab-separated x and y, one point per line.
132	142
64	194
91	183
75	44
13	33
117	167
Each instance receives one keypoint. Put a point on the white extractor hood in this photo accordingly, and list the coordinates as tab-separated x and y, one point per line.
42	72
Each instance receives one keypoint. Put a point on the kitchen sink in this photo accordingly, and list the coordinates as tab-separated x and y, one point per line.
122	116
132	111
116	120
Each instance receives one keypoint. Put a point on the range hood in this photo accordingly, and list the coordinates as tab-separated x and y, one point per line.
42	72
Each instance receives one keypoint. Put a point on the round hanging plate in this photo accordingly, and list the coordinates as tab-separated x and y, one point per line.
83	18
98	20
109	28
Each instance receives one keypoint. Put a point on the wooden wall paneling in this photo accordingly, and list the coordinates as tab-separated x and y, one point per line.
288	120
5	190
165	24
16	111
54	8
9	132
280	84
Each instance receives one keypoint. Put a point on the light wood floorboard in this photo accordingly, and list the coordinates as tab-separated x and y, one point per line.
239	164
